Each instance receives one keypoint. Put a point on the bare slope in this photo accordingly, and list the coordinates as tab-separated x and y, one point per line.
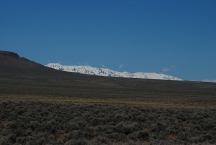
20	76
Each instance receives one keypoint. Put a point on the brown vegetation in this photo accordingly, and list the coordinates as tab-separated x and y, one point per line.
43	124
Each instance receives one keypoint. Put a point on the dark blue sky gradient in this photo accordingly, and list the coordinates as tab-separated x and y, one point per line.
176	37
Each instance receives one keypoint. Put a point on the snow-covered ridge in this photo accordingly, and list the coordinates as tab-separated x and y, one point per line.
83	69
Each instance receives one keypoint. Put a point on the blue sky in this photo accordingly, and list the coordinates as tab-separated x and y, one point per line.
176	37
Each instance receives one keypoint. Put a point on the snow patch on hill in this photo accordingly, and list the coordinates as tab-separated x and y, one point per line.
83	69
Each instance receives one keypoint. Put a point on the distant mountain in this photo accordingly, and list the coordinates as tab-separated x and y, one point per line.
109	73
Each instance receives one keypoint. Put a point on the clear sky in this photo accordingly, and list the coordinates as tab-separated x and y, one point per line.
176	37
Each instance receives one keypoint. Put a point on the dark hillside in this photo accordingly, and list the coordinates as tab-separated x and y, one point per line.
11	62
19	75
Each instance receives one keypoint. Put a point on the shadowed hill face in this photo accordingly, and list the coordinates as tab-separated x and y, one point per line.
11	62
19	75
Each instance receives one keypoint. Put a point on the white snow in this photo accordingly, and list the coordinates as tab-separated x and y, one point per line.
83	69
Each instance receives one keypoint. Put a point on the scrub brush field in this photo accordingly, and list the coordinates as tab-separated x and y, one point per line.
72	124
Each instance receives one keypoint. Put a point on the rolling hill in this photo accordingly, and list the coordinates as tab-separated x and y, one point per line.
20	76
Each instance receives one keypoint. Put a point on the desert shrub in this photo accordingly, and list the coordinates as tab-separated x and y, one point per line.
126	127
30	140
140	135
185	136
97	121
50	126
119	116
21	140
72	125
38	141
141	118
34	125
3	141
143	135
12	138
5	132
81	141
116	136
20	132
158	128
100	140
12	124
77	134
104	128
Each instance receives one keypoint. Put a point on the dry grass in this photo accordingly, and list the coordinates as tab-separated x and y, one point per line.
148	102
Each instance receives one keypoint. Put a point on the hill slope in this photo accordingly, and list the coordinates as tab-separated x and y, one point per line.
19	76
12	63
